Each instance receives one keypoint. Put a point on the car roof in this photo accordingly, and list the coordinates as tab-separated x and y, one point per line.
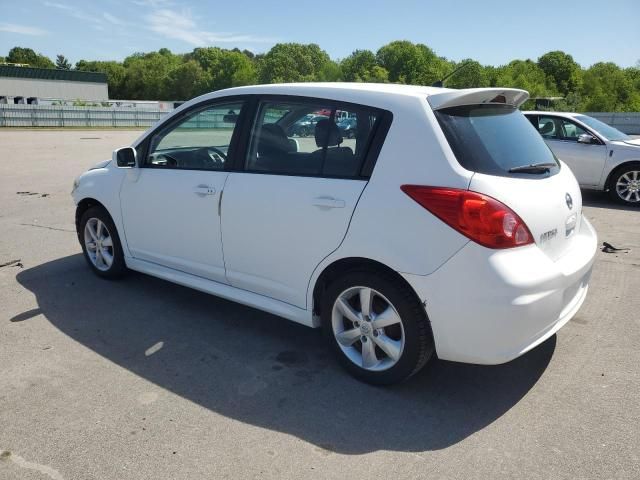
382	95
389	96
311	87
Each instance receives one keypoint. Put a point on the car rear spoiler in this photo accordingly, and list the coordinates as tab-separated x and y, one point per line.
478	96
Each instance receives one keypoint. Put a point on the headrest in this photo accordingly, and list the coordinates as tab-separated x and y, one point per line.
327	129
273	139
547	128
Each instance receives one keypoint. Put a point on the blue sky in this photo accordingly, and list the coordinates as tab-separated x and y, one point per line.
490	31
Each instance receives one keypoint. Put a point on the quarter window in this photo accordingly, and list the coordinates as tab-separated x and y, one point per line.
310	138
201	141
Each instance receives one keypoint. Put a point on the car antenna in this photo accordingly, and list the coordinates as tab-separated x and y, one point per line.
440	83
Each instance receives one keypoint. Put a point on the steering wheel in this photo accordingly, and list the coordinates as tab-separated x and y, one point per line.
217	155
170	161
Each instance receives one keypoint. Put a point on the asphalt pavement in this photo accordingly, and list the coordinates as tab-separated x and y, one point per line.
141	379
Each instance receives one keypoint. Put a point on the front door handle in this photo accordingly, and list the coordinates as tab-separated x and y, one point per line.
328	202
204	190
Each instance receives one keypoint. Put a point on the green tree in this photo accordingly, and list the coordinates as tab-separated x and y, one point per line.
226	68
28	56
562	69
524	74
411	63
115	72
186	81
293	62
361	66
471	75
62	63
146	74
329	72
607	88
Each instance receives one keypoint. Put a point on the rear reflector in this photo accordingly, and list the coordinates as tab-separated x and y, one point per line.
479	217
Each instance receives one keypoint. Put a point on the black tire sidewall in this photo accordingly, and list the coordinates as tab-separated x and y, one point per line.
118	267
411	312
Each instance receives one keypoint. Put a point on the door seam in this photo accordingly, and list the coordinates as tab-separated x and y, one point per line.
224	260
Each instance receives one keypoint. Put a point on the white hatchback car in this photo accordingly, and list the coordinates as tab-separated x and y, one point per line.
445	225
600	156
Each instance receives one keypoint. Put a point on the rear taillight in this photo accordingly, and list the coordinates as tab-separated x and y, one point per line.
483	219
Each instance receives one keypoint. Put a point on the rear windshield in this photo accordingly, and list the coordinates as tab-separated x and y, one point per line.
493	139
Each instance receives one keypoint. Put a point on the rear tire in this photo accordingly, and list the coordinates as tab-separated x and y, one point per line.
383	343
101	244
624	186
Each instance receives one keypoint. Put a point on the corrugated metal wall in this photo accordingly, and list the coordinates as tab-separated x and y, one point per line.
627	122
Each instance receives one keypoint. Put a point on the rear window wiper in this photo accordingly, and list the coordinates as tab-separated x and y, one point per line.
533	168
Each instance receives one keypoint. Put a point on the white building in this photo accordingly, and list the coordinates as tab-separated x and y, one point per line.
32	85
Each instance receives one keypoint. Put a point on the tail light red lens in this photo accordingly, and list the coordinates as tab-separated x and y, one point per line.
483	219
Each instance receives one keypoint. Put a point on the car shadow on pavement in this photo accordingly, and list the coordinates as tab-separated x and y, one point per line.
596	199
266	371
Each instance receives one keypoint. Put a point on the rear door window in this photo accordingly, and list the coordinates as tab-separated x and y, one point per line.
549	127
571	131
493	139
311	138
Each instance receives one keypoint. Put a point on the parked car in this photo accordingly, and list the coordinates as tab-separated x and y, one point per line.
348	127
304	127
600	156
448	227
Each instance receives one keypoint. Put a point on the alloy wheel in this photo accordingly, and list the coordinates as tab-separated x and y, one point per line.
628	186
368	328
99	244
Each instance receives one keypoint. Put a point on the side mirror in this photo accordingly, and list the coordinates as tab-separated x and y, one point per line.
125	157
586	139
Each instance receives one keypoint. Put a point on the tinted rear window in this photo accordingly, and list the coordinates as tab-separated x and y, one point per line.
492	139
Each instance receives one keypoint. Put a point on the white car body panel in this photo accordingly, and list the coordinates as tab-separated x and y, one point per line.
549	213
509	302
265	242
102	183
276	229
154	198
586	161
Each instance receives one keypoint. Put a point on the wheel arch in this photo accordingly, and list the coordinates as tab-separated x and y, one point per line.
84	205
341	266
616	169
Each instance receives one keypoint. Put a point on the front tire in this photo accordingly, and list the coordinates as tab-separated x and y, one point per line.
377	327
625	185
101	244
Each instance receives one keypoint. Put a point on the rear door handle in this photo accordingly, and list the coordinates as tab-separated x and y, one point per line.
204	190
328	202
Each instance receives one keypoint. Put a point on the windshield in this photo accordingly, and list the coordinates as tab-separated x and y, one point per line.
493	139
607	131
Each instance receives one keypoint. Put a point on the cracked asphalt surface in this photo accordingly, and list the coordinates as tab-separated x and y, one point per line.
142	379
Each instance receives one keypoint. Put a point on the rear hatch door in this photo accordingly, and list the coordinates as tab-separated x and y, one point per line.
511	163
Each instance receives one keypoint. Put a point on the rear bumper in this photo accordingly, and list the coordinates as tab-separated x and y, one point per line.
491	306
